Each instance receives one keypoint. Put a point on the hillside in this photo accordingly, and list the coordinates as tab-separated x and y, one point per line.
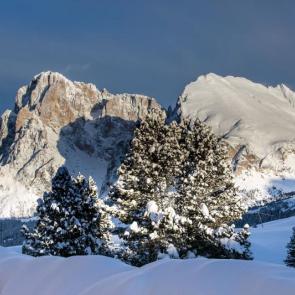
258	123
245	113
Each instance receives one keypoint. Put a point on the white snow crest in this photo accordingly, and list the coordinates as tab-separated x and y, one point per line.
205	211
172	251
134	227
152	211
151	207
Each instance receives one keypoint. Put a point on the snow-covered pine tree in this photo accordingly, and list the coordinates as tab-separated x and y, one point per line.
290	259
176	196
145	189
71	219
208	197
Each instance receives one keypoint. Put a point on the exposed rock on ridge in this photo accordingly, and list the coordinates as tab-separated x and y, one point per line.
57	121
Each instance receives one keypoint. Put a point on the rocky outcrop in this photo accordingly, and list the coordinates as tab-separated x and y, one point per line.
56	121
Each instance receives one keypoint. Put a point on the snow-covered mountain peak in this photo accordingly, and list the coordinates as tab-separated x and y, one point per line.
244	112
257	122
241	82
213	78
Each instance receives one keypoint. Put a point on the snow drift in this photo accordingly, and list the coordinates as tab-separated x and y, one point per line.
20	274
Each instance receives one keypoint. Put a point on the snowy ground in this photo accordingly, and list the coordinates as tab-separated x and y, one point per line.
20	274
87	275
269	240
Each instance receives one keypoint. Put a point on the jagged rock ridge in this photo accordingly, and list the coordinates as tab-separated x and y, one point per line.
56	121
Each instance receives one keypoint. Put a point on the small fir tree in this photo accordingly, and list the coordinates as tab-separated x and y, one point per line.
290	260
71	219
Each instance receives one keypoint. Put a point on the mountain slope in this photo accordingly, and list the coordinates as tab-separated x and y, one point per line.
243	112
258	123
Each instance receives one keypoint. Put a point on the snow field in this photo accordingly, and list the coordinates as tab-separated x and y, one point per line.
20	274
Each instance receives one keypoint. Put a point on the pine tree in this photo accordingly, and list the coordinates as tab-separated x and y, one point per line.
208	197
71	219
290	260
175	195
144	189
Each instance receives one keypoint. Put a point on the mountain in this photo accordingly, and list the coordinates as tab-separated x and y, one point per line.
56	121
257	122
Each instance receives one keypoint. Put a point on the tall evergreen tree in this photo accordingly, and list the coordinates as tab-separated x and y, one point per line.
147	174
176	196
208	197
290	259
71	219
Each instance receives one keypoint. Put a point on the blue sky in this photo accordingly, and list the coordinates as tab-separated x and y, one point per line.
153	47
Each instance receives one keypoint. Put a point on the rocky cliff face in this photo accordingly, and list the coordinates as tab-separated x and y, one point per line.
56	121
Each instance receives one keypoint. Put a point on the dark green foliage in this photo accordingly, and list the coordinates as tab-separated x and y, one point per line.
71	219
290	260
176	196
